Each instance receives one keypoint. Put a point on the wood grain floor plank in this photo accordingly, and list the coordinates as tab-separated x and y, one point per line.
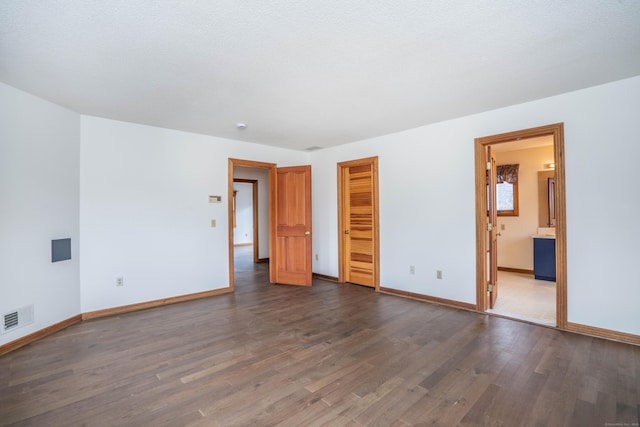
332	355
452	397
395	403
360	405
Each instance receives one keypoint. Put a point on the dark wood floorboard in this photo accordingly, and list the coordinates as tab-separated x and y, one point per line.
330	355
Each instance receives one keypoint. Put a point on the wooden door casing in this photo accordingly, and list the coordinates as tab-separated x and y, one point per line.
293	263
556	131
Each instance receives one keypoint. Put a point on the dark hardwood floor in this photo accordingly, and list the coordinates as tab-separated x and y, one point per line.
327	355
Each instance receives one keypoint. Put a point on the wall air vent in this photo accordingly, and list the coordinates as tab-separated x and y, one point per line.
11	320
16	319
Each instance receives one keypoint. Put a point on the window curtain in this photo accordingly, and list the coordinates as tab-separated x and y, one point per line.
507	173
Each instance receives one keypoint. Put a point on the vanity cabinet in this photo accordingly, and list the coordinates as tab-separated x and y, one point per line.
544	258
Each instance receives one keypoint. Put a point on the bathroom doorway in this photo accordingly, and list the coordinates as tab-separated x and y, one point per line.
506	241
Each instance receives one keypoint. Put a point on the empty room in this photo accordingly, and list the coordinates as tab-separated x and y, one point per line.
357	213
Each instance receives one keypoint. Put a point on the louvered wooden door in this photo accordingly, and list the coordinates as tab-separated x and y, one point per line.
359	222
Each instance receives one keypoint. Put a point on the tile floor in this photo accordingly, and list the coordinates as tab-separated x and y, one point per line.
522	297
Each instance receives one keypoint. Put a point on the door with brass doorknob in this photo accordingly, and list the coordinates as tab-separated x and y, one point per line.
293	224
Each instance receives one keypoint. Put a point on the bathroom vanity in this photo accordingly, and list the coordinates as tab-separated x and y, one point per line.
544	257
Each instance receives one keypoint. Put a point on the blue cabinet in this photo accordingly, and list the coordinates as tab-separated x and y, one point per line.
544	259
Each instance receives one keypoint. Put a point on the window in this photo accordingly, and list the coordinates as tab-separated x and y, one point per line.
507	190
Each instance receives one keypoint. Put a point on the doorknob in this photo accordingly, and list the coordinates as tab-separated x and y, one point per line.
307	233
346	231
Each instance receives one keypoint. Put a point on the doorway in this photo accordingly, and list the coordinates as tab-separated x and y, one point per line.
246	212
489	227
523	171
289	229
260	171
358	223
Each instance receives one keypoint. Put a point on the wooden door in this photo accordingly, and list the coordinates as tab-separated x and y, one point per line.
293	226
358	221
492	228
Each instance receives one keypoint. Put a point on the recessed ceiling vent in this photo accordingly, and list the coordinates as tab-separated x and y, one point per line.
16	319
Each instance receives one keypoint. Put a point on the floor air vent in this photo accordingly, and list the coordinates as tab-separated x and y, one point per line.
17	319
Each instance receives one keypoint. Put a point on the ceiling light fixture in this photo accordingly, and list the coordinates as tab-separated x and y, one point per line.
241	126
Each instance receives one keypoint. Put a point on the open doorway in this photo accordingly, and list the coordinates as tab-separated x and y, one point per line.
519	198
524	221
246	214
289	222
247	211
249	217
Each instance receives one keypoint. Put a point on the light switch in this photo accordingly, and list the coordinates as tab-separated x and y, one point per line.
215	199
213	223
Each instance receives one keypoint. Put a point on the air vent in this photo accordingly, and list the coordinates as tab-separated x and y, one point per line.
314	148
11	320
17	319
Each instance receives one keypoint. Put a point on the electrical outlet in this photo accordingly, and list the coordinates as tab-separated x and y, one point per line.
120	281
438	274
412	269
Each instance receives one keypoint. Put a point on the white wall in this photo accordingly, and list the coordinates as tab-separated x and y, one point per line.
243	232
426	195
427	201
145	214
262	176
39	201
515	245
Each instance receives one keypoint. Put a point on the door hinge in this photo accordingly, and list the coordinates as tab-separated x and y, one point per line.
489	287
489	226
488	166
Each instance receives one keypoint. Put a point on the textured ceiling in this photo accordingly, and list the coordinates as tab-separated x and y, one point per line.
310	73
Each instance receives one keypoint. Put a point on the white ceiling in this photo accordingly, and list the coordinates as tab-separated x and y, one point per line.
310	73
523	144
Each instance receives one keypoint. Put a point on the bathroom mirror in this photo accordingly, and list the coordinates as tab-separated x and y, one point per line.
546	198
551	186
